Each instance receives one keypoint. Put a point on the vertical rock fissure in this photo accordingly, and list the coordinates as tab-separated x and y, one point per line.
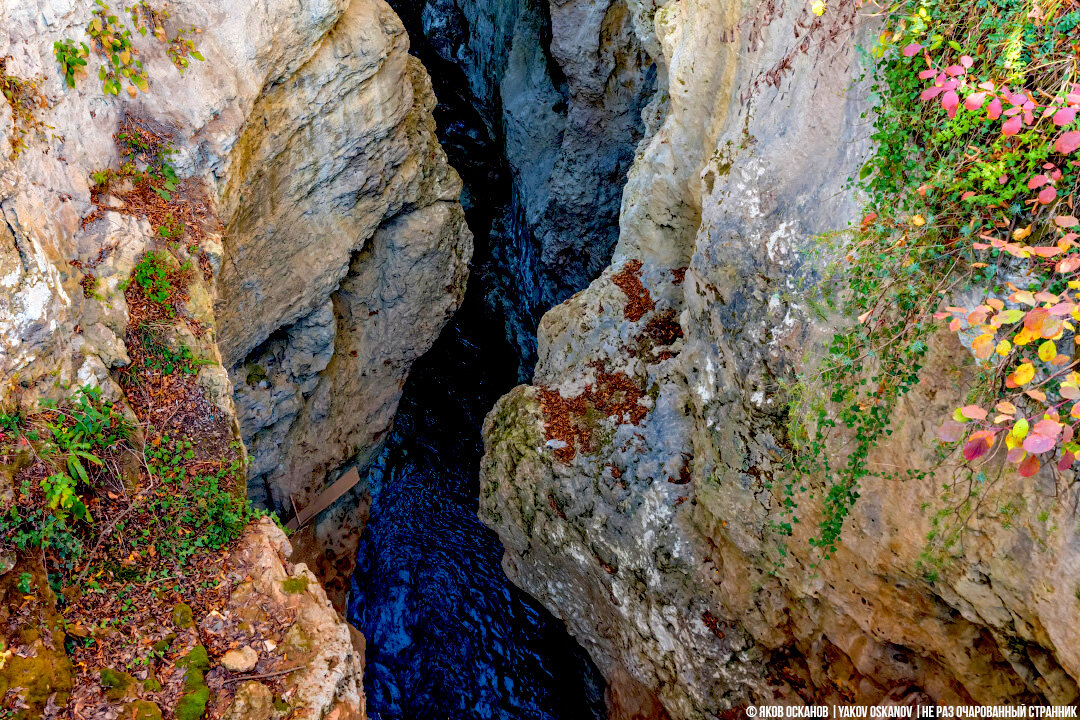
543	160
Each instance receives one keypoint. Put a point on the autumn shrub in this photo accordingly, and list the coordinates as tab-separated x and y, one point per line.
970	220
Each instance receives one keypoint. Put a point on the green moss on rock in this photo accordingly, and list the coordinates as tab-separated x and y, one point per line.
182	616
192	705
141	710
117	684
296	584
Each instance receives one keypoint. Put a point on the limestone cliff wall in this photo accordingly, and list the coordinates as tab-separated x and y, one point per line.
345	247
341	251
543	131
635	481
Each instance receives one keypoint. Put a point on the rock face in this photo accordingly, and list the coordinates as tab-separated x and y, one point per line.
542	124
635	483
342	253
345	245
328	649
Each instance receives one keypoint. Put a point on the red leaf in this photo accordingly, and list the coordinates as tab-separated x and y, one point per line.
1047	195
1030	466
1013	125
927	74
978	445
1037	181
1067	142
911	49
1047	427
1064	116
994	109
1066	461
950	101
930	93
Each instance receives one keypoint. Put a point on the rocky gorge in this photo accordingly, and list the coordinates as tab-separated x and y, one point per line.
378	218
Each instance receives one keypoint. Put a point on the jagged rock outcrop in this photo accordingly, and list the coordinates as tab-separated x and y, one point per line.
345	245
635	483
543	125
341	248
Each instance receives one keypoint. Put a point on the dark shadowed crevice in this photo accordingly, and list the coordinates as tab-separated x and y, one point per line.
448	635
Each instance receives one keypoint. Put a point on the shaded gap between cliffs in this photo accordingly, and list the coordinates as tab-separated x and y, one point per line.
448	635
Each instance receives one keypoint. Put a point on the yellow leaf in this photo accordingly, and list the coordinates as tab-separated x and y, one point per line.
1024	337
1024	374
1048	351
818	7
1020	429
1005	407
983	346
1003	348
918	220
1021	233
125	57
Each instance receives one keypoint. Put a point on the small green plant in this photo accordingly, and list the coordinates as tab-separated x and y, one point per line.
111	38
72	59
152	275
25	583
25	99
171	228
112	41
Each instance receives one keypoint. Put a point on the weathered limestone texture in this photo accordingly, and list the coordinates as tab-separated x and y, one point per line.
345	248
545	123
634	483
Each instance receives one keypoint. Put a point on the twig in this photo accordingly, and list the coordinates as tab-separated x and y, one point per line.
276	673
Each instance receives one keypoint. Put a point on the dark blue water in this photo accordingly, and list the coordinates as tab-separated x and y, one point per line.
448	636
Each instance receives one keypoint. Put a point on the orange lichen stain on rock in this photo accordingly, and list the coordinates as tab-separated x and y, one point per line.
569	420
638	299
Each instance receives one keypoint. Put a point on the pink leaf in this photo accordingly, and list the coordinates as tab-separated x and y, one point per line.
950	431
994	109
967	61
911	49
927	74
954	70
975	101
1012	126
1038	443
930	93
973	412
1067	142
950	101
1066	461
1065	221
988	86
1037	181
1064	116
1047	195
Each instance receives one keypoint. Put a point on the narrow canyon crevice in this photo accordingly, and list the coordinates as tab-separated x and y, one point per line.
447	632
